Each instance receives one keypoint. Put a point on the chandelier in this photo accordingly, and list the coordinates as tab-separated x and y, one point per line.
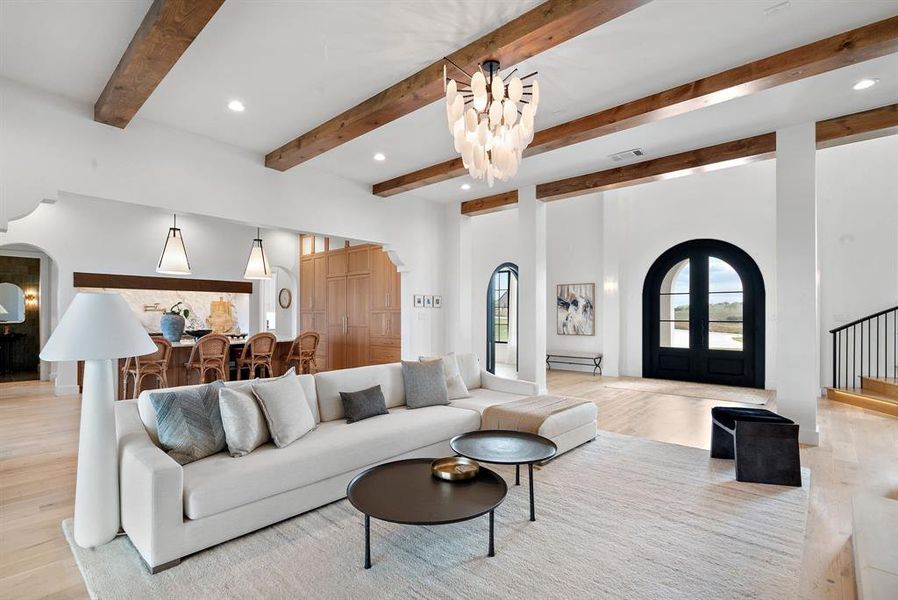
488	128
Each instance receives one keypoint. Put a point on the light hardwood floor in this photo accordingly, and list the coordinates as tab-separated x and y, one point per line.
39	432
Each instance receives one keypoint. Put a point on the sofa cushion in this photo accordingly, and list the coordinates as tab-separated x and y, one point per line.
425	383
469	367
189	422
331	383
148	414
363	404
219	482
244	424
286	410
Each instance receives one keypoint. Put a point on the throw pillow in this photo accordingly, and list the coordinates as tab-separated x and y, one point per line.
189	422
363	404
455	385
285	408
469	367
425	384
244	424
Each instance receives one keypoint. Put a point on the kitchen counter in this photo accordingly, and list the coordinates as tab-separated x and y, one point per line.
177	373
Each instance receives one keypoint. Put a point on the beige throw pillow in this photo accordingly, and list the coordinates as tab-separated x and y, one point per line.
286	410
455	385
244	424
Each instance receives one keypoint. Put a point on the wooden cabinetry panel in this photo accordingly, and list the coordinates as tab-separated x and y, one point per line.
358	260
306	284
336	263
336	323
358	300
385	282
386	324
381	355
320	285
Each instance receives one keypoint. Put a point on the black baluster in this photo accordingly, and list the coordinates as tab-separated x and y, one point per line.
834	360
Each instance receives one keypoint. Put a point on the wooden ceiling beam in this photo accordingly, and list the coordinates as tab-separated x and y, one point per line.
537	30
490	204
831	132
861	44
167	30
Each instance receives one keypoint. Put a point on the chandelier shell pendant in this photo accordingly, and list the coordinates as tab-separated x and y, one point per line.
491	119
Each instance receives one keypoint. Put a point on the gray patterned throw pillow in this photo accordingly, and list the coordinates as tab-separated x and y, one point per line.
189	422
425	383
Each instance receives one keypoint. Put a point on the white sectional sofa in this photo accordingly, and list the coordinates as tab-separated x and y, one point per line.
170	511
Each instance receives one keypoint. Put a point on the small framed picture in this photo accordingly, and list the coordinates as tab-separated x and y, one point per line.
428	301
419	301
438	302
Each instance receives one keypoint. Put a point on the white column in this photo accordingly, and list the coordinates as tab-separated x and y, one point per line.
458	268
797	318
532	287
610	287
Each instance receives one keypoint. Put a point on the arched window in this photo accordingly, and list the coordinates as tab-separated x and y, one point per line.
502	320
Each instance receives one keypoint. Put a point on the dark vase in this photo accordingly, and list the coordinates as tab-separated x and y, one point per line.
172	326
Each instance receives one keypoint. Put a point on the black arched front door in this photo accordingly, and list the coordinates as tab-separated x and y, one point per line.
703	316
501	302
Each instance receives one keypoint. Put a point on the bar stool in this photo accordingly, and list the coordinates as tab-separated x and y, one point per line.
209	354
302	353
257	353
148	365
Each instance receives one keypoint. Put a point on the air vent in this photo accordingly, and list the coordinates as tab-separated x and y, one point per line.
627	155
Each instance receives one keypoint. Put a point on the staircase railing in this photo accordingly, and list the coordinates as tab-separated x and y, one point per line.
867	347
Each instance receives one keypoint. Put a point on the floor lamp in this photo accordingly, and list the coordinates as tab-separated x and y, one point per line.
98	327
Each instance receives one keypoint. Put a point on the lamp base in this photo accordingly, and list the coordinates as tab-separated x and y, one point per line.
96	488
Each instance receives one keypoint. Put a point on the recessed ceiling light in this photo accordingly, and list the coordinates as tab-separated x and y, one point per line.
466	186
236	106
864	84
380	157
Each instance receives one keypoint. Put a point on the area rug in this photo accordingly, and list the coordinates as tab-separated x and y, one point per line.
693	390
619	517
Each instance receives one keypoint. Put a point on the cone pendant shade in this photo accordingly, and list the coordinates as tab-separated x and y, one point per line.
173	260
257	264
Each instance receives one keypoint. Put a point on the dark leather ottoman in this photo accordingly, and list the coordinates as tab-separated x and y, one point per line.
764	444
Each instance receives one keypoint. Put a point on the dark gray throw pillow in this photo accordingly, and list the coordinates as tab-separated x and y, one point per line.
425	383
363	404
189	422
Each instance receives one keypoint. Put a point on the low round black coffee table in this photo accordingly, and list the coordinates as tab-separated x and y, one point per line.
505	447
406	492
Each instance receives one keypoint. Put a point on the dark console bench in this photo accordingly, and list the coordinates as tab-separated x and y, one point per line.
585	359
763	443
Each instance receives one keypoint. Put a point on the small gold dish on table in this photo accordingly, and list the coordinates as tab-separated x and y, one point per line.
454	468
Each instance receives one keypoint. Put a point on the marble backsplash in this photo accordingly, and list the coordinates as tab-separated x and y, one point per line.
199	303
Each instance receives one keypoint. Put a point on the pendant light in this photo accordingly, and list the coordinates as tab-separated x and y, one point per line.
257	264
173	260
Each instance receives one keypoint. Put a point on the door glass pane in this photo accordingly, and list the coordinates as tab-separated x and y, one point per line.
725	307
725	336
674	334
675	307
677	279
722	277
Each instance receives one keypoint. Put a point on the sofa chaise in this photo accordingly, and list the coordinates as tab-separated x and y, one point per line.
170	511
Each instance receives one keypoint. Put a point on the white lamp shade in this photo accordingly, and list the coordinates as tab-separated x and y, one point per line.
97	326
173	260
257	265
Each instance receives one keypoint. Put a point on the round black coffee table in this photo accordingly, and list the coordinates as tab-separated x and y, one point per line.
505	447
406	492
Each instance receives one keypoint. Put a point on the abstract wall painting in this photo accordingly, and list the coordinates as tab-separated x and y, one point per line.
576	309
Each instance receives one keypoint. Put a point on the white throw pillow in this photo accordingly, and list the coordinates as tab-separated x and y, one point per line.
454	382
244	424
286	409
469	367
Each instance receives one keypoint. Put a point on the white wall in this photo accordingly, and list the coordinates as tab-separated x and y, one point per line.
574	239
612	238
857	199
51	147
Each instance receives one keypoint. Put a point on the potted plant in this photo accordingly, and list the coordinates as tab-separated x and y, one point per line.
173	321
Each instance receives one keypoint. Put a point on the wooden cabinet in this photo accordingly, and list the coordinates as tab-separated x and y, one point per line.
351	297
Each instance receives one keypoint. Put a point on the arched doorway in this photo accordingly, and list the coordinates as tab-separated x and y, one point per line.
502	320
703	315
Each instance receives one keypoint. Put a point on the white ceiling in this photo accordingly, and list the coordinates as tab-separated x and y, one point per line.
296	64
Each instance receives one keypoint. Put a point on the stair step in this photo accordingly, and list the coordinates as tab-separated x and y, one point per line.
886	386
865	399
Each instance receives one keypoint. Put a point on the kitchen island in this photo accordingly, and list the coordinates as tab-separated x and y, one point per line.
177	373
